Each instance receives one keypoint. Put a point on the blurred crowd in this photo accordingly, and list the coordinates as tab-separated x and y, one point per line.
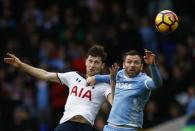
55	34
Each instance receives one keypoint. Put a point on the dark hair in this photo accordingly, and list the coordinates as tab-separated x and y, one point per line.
97	51
132	53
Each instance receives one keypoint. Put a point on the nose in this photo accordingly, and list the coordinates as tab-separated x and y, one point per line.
132	64
92	64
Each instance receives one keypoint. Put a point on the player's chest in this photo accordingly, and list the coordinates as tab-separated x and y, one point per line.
127	85
131	87
78	89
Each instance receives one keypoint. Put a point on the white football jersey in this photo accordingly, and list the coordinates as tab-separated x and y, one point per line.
82	100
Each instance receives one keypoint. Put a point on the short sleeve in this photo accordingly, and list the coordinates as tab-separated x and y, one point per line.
107	90
149	84
65	78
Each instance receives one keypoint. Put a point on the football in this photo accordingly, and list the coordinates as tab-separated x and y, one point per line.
166	21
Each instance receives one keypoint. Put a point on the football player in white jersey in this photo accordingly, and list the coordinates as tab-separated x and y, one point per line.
83	102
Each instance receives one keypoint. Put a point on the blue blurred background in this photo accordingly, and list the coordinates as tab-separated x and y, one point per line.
55	35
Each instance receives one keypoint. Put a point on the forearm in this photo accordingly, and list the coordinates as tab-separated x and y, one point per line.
102	78
113	84
36	72
155	74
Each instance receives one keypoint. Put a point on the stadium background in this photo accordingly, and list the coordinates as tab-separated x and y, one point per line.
55	34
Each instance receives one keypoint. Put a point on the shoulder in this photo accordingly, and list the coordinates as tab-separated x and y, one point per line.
68	74
120	73
103	87
144	76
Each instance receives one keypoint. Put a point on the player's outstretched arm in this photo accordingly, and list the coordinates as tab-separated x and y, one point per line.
149	59
97	79
36	72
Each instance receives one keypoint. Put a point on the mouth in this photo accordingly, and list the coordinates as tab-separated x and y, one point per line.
131	70
91	70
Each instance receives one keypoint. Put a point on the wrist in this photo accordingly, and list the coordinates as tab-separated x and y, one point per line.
112	77
20	64
152	66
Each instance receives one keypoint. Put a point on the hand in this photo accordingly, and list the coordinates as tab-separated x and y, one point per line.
12	60
113	71
90	81
149	58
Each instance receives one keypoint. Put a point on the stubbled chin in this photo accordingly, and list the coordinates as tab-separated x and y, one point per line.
131	73
91	73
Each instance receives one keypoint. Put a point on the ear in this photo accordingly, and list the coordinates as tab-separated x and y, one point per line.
141	67
103	65
86	62
123	64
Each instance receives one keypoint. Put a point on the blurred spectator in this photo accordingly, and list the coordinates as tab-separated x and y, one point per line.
175	110
22	120
43	105
151	117
56	34
148	35
58	97
191	102
190	124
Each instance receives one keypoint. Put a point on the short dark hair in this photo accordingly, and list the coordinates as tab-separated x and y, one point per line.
132	53
97	51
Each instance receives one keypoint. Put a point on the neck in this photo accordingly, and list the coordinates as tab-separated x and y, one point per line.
87	75
130	76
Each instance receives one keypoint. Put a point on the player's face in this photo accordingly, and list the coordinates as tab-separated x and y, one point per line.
94	65
132	65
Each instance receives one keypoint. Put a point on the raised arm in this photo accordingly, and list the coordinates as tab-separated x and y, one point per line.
155	74
113	71
149	59
36	72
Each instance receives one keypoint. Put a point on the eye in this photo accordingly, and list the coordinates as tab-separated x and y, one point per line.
90	61
97	62
137	62
129	62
